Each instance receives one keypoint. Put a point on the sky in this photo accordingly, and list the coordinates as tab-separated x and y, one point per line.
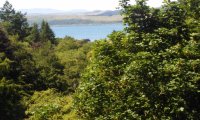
68	5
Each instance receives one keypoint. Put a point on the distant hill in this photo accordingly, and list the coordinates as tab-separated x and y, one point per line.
103	13
42	11
109	13
60	17
73	19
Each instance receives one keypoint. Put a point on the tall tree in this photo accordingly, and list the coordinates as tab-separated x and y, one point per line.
145	72
6	53
46	33
34	34
14	22
6	12
140	18
11	107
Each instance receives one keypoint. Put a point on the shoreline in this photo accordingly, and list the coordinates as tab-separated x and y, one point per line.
83	24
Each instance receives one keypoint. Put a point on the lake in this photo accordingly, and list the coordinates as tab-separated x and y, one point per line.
87	31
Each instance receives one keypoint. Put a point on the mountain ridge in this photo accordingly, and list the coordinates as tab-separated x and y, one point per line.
49	11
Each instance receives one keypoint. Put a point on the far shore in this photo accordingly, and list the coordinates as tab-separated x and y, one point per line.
61	20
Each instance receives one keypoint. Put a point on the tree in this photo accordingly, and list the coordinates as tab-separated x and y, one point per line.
7	12
140	18
5	44
10	102
34	34
149	71
46	33
14	22
72	54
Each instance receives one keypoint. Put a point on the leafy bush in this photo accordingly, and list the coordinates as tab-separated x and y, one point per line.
50	105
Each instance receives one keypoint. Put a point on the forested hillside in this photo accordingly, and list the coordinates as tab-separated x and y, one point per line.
38	72
150	70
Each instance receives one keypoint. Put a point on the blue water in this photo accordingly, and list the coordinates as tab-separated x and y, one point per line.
92	32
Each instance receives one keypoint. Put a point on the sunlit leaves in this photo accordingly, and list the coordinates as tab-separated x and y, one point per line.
148	71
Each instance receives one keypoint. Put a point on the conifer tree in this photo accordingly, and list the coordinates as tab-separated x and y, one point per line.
14	22
7	12
46	34
11	108
34	34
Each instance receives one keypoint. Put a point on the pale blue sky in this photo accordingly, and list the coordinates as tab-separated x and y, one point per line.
71	4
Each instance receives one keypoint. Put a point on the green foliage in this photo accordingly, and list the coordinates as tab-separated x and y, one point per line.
33	61
149	71
14	22
60	66
140	18
5	45
46	34
7	11
10	102
15	60
98	92
72	54
50	105
34	36
16	75
49	69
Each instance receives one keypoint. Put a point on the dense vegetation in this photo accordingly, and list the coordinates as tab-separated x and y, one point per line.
150	70
38	72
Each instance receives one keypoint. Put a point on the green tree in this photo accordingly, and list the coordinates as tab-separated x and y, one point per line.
140	18
10	92
34	36
14	22
50	70
72	54
6	54
46	34
7	12
12	107
145	72
5	44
